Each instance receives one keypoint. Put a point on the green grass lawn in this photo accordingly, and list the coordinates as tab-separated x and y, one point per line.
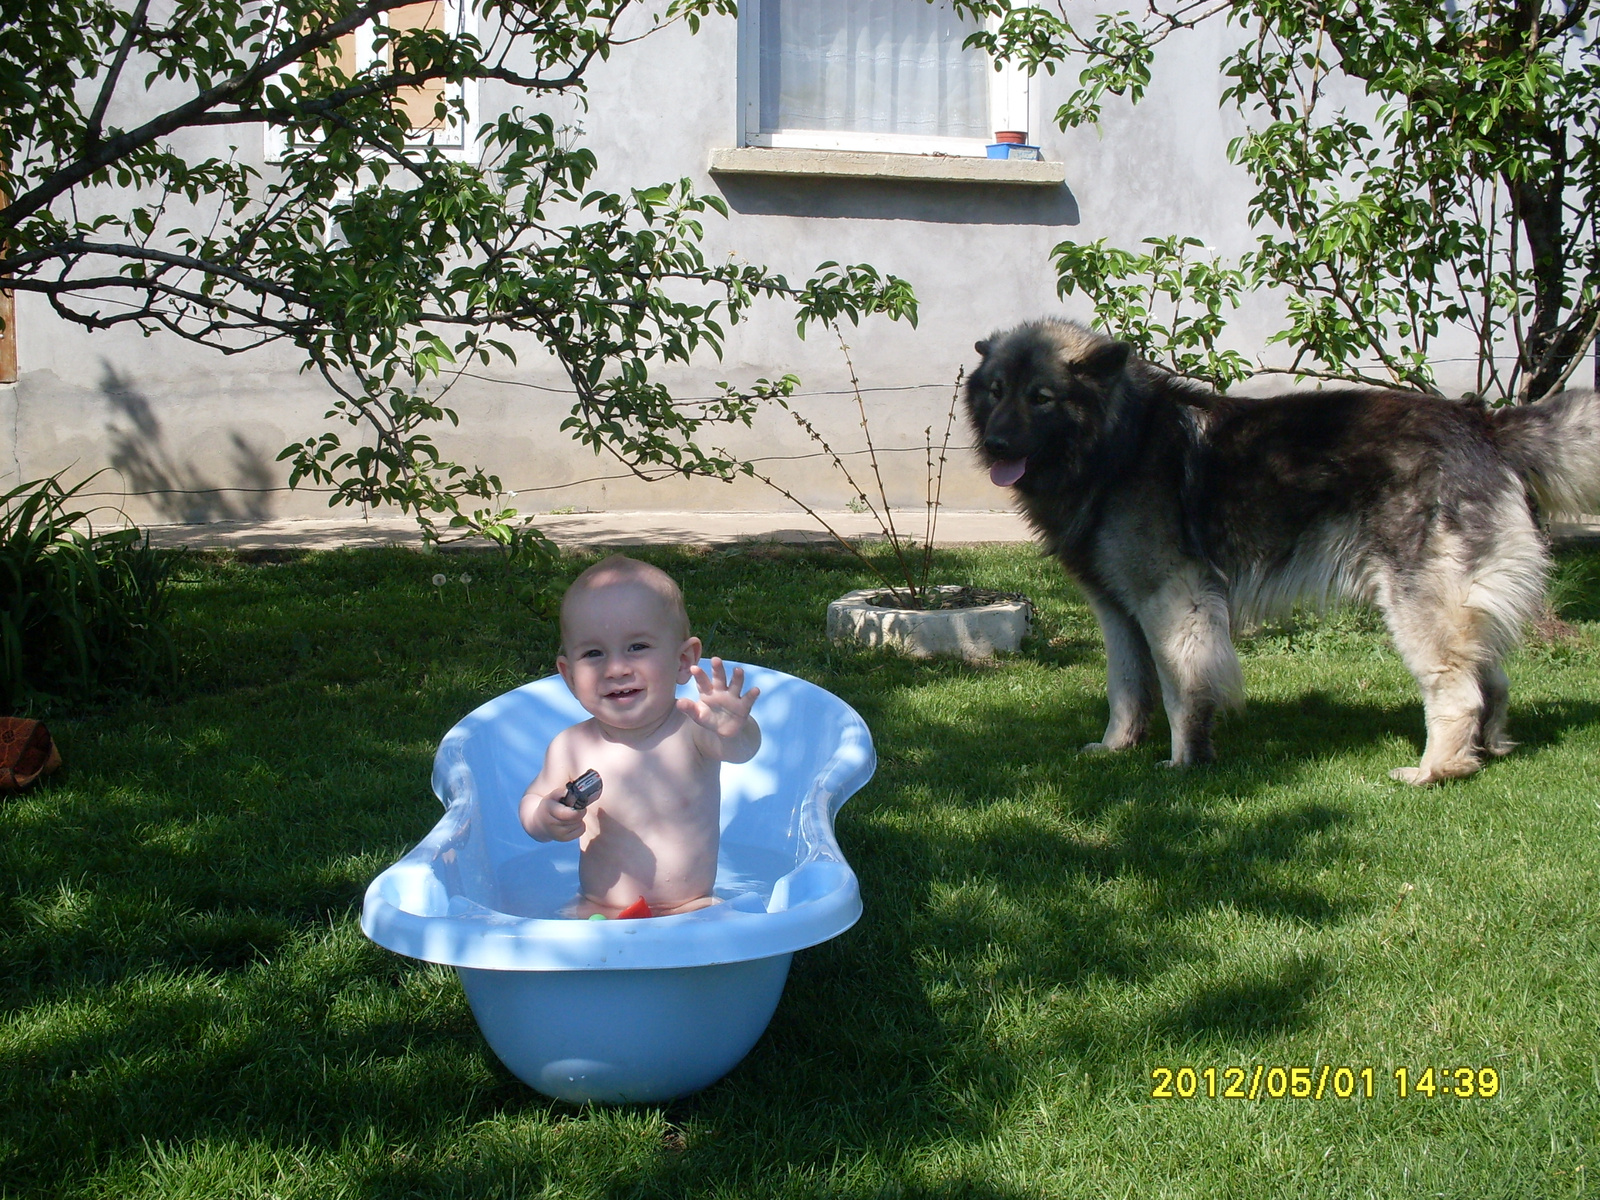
188	1009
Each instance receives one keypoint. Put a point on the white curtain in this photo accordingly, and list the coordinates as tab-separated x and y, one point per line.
871	66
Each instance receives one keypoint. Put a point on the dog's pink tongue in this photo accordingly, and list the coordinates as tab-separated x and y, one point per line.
1004	474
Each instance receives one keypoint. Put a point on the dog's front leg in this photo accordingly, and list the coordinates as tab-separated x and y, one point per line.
1186	627
1130	675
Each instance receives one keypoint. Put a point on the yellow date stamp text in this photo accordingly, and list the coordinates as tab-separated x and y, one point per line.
1326	1081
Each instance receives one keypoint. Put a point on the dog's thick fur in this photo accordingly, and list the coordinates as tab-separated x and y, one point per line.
1180	512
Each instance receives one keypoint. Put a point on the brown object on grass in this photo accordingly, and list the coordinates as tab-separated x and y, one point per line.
26	752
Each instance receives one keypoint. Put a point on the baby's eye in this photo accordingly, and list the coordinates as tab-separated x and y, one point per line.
590	654
638	646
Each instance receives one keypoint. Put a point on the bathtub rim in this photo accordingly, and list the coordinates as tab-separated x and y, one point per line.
827	897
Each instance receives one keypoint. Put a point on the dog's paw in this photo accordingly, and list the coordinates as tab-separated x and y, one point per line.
1500	747
1112	745
1419	776
1415	776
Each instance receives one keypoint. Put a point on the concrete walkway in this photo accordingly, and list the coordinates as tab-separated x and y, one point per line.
659	528
955	528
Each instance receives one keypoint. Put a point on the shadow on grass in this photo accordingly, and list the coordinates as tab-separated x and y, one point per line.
1253	1007
1550	723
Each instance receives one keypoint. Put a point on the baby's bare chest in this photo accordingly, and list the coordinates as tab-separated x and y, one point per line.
665	780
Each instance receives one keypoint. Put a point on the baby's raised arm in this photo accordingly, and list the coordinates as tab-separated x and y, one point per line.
543	815
726	729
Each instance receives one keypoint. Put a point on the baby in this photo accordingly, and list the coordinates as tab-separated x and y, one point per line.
652	834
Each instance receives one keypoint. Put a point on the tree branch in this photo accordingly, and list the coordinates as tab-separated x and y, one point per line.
78	247
108	152
91	133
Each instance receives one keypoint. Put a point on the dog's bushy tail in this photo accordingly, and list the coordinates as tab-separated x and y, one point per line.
1555	446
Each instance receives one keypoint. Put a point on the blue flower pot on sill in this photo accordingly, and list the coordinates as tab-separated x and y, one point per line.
1013	150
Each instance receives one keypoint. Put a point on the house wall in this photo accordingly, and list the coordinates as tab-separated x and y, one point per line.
191	435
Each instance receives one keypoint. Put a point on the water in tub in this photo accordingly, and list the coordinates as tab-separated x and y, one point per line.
544	882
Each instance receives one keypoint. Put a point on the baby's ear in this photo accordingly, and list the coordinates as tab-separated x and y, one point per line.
688	656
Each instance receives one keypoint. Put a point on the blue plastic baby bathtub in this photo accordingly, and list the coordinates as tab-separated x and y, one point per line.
626	1010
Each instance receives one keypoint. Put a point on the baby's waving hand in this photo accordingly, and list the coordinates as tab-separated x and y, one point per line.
724	712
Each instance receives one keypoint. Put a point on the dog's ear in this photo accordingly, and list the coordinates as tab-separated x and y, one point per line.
1108	359
983	347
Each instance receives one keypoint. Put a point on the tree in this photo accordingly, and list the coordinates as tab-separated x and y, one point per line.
378	256
1466	204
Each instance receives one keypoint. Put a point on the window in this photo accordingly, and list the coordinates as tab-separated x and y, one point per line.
359	50
887	75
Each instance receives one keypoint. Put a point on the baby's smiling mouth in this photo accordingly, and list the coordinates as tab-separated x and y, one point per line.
623	693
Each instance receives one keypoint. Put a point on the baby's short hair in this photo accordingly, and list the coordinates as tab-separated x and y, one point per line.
619	568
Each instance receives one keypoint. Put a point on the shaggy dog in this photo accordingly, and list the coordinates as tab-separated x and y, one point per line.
1180	512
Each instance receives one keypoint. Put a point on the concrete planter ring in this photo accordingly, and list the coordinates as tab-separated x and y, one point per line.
976	623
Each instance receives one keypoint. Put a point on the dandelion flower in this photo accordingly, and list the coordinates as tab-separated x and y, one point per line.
465	578
438	581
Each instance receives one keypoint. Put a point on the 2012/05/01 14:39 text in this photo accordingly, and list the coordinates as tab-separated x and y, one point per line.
1323	1082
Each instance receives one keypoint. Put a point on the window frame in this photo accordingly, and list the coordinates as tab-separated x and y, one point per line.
8	337
1008	105
8	312
459	19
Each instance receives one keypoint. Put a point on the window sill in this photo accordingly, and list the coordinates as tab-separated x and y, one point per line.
861	164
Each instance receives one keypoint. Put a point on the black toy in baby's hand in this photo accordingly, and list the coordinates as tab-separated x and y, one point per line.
582	791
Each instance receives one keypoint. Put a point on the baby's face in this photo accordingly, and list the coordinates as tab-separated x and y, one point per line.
624	657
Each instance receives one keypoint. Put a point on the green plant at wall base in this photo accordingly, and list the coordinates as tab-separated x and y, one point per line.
80	612
913	562
1426	174
387	262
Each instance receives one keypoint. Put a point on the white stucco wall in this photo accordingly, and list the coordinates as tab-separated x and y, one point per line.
192	435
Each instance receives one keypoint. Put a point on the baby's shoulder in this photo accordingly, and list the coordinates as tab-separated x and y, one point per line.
574	738
584	728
